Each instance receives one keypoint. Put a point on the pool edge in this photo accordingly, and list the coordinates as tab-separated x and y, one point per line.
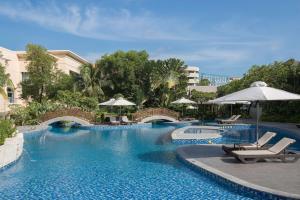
232	180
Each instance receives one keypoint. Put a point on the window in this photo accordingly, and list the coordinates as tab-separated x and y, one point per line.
25	76
10	95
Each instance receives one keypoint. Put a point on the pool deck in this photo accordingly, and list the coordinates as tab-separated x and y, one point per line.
280	179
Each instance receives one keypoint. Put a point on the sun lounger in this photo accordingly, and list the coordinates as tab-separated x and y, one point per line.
114	121
230	118
261	143
277	151
124	120
230	121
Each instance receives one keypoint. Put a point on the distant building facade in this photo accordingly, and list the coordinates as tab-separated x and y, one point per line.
15	65
218	80
193	74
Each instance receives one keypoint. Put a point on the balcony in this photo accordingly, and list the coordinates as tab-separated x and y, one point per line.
193	75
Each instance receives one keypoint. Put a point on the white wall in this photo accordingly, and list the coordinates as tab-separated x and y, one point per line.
11	150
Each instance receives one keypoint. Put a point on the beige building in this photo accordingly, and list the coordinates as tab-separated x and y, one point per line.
193	75
15	64
205	89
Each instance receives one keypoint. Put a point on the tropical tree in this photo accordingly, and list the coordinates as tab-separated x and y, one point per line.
4	77
61	82
123	73
168	80
91	81
4	81
41	70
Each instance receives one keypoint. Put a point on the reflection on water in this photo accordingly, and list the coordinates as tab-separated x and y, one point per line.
248	135
134	163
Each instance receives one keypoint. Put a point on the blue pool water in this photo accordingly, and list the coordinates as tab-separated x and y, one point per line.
247	134
134	163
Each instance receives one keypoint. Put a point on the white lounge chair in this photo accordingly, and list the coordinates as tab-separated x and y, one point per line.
230	118
277	151
113	121
230	121
261	142
125	120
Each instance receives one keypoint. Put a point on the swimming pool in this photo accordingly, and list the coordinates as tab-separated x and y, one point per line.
106	163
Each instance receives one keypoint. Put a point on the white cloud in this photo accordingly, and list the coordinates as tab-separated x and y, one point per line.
224	55
95	22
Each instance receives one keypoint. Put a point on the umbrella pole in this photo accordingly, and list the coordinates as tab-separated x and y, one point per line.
231	109
257	121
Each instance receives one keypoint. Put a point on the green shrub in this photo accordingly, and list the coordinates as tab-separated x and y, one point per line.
76	99
7	129
29	115
280	118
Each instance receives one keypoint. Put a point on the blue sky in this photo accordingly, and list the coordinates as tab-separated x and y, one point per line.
220	37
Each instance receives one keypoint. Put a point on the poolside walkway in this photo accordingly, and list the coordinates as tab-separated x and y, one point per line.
282	179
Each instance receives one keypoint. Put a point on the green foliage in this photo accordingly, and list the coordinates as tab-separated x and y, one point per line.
168	81
116	96
204	82
91	81
121	70
3	76
61	81
146	82
202	96
29	115
77	99
7	129
41	72
281	75
4	81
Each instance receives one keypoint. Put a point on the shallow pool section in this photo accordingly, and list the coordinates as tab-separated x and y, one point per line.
119	163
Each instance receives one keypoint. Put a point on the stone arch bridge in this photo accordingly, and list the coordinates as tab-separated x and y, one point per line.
88	118
71	114
152	114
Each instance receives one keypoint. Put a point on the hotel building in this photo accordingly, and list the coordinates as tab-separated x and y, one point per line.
15	65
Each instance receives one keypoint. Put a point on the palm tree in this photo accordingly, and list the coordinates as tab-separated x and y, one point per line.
166	75
92	80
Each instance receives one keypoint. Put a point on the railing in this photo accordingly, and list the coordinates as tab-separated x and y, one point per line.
75	112
139	115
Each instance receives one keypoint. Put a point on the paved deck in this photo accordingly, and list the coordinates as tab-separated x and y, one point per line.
278	178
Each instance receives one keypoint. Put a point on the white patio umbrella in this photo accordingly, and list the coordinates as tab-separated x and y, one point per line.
107	103
183	101
121	102
256	93
228	103
191	107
